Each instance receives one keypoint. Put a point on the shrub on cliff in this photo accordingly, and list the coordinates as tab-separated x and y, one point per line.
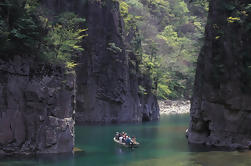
63	39
19	28
26	30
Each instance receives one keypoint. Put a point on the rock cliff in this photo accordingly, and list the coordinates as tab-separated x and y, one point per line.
107	78
37	104
107	75
221	108
37	101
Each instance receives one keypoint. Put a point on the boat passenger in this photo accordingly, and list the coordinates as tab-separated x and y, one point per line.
121	139
117	136
124	137
134	140
128	140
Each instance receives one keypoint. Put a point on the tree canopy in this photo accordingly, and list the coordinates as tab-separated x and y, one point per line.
25	29
171	34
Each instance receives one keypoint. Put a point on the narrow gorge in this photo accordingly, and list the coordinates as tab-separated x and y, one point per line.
39	101
73	72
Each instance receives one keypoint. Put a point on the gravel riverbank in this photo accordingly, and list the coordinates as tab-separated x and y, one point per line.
174	107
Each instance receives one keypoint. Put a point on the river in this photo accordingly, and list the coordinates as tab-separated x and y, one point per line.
163	143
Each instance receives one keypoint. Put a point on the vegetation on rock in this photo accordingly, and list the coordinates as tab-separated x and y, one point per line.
165	35
170	34
27	28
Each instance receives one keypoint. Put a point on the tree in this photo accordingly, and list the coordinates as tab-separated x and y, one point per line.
25	29
170	33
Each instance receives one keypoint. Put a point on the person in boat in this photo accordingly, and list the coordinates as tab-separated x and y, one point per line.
121	139
117	135
134	140
124	135
128	140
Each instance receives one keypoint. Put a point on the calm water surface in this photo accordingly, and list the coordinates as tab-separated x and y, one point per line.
163	143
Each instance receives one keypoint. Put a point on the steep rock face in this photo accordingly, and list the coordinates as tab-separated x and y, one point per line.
37	105
107	78
107	82
221	108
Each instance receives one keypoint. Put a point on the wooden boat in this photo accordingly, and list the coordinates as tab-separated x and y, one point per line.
125	145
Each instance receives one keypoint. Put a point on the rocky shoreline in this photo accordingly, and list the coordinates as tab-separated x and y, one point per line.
168	107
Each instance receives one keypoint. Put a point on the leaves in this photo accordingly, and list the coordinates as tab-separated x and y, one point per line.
113	48
233	19
170	34
26	29
20	28
65	36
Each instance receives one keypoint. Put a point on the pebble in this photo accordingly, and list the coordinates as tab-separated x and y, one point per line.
174	107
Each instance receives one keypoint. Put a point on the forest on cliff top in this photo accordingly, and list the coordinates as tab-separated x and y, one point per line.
168	35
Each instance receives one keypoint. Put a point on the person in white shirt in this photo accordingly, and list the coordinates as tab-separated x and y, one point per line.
120	139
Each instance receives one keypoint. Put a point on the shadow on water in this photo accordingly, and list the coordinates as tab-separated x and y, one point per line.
203	148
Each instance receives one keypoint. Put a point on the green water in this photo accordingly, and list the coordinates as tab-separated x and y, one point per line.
163	143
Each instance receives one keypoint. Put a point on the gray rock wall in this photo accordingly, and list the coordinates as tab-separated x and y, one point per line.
108	77
221	107
37	104
107	82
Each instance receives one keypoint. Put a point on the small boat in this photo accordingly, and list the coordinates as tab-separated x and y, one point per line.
136	144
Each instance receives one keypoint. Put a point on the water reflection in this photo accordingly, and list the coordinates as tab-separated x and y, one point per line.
42	159
162	144
220	158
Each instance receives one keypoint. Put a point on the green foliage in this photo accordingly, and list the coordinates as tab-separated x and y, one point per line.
170	33
239	12
26	30
64	37
142	90
163	91
19	27
113	48
123	8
